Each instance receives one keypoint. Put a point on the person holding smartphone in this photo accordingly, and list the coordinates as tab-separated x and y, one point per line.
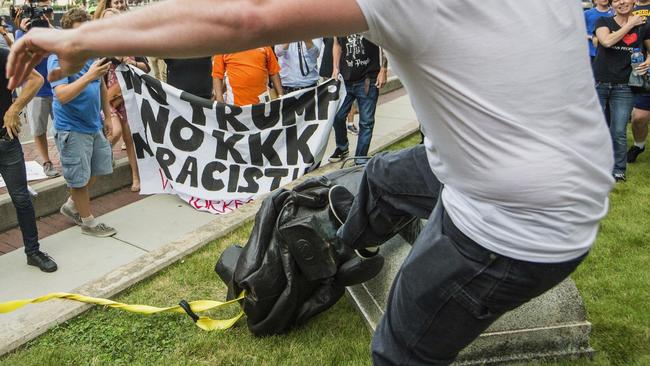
85	151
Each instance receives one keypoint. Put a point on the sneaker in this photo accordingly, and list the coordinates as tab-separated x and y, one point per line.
340	203
634	153
353	129
43	261
49	171
73	216
99	230
338	155
620	177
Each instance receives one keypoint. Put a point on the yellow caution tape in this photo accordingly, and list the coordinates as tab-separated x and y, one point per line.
202	322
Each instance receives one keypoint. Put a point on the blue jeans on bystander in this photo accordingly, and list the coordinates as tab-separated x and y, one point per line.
12	169
367	101
620	100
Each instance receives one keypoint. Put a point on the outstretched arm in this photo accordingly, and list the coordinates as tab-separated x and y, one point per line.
173	29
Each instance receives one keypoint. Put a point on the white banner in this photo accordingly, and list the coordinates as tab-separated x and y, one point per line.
217	156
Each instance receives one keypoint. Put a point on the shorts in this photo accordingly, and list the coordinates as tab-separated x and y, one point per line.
39	111
83	155
642	101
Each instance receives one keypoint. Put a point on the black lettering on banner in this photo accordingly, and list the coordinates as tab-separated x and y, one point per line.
226	145
299	144
226	114
265	148
165	158
132	81
260	119
325	97
141	146
189	169
251	175
233	177
190	144
295	173
305	106
156	125
155	89
197	104
277	175
207	178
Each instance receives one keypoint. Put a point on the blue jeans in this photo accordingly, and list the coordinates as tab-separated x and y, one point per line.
366	94
620	100
449	288
12	169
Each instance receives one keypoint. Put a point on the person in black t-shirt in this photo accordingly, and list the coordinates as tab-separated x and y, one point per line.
364	72
12	163
618	36
193	75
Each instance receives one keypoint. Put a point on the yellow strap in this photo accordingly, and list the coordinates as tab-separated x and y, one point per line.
203	322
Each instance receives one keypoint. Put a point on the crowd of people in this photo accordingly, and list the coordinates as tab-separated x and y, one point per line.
616	31
89	116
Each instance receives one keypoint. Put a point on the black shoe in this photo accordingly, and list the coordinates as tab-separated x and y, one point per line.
338	155
620	177
43	261
340	203
634	153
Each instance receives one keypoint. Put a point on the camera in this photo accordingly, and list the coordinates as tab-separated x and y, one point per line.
37	15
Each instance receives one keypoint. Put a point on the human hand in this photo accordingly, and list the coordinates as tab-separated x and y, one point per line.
335	73
642	69
24	24
382	77
98	69
635	20
37	44
12	122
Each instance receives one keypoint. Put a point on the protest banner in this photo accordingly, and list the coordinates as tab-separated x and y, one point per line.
217	156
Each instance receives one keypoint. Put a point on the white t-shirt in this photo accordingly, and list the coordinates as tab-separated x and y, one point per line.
512	123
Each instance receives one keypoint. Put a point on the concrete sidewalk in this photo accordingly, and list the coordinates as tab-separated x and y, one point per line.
152	234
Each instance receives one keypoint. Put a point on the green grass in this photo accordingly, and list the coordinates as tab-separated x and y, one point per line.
613	280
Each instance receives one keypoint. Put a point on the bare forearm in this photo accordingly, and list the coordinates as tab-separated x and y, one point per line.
610	39
217	86
277	84
29	90
106	106
66	93
173	29
336	55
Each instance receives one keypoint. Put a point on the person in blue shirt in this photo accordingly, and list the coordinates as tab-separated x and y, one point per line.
83	146
39	110
601	9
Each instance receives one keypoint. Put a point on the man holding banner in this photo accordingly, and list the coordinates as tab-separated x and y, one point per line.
522	198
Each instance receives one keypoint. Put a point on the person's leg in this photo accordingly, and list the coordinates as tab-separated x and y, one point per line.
603	90
395	187
367	96
340	129
130	153
640	118
621	102
448	291
12	169
117	129
38	113
75	150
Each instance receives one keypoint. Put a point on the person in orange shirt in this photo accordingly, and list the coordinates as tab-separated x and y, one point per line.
246	74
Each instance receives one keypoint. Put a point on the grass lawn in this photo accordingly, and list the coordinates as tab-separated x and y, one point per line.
614	282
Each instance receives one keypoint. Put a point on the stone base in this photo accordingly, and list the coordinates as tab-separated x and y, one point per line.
552	326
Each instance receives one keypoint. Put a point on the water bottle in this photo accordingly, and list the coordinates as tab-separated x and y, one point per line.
637	59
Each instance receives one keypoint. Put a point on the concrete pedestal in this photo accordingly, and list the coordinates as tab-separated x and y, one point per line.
552	326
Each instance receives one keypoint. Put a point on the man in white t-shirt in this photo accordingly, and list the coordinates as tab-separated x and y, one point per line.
512	126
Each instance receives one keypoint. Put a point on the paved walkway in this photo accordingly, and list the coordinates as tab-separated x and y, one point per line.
153	233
